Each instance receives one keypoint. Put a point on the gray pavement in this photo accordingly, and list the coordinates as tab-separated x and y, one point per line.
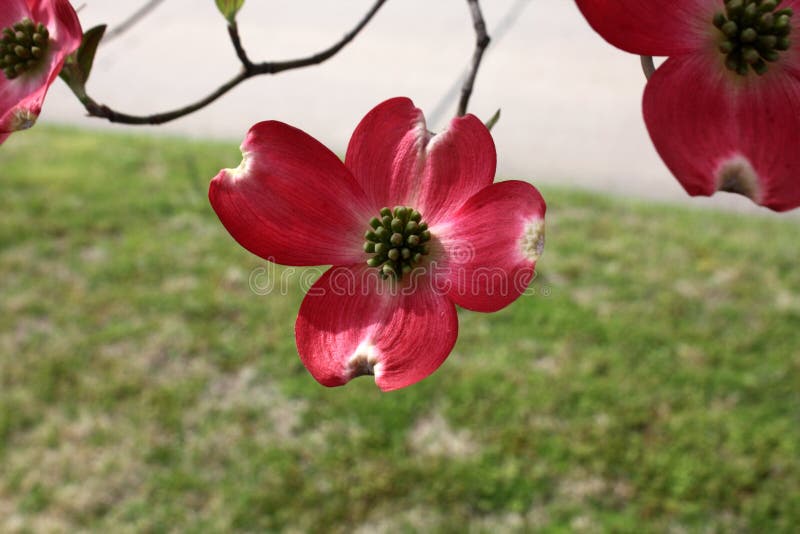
570	102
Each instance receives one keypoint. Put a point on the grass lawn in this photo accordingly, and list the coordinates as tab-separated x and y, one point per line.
651	384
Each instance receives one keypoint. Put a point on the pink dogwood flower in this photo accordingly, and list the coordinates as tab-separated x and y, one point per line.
36	36
411	222
723	111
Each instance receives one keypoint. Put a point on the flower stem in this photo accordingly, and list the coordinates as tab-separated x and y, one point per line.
482	41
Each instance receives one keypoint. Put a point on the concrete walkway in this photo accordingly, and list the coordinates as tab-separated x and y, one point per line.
570	102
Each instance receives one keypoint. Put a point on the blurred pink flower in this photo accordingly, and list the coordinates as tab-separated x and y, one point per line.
37	36
387	307
724	110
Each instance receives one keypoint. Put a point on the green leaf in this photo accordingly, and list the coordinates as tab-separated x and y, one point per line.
78	65
229	8
491	122
88	48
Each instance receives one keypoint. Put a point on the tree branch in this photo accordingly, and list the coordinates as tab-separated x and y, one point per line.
324	55
104	112
249	70
482	40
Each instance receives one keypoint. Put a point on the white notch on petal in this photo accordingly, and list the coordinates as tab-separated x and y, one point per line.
533	239
243	168
22	119
737	175
424	140
364	361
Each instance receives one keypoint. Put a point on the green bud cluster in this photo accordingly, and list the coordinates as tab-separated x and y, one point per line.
398	241
754	33
22	47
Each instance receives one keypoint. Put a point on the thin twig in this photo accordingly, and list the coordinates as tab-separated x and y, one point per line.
233	31
498	33
648	66
482	40
131	21
249	70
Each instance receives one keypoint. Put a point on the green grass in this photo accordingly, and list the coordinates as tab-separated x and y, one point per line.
651	384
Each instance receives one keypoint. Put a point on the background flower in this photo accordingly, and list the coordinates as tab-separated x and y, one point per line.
37	37
724	110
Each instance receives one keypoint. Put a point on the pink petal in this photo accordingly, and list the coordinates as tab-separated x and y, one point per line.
460	162
491	246
397	161
350	324
24	111
21	99
652	27
13	11
291	200
718	130
3	137
385	151
61	20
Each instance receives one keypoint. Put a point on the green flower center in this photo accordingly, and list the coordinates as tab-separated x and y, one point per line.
23	47
397	241
754	33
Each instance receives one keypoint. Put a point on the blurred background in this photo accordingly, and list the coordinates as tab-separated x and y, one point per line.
571	103
649	383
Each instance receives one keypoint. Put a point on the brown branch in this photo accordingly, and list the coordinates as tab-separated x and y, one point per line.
104	112
233	31
482	40
319	57
249	70
131	21
648	67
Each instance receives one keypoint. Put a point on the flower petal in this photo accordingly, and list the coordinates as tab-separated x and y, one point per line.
61	20
291	200
24	110
351	324
651	27
21	99
13	11
460	162
398	161
385	151
717	130
491	246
